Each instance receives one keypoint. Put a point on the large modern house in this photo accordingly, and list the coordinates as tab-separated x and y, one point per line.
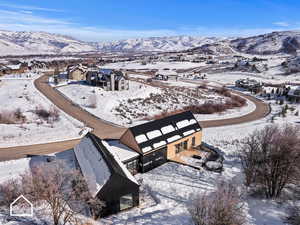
160	140
106	176
108	166
110	80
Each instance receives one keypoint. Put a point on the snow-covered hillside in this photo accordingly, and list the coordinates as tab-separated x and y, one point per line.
176	43
22	43
272	43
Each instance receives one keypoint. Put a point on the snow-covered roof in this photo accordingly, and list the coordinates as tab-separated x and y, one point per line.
122	166
182	123
14	67
147	149
295	91
173	138
158	133
167	129
123	152
141	138
153	134
93	166
98	162
78	67
188	132
159	144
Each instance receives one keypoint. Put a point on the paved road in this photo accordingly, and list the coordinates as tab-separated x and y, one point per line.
102	128
262	109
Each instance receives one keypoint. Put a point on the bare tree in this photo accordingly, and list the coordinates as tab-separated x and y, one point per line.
221	207
270	158
9	191
61	190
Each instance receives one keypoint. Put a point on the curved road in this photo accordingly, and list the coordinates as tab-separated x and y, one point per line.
104	129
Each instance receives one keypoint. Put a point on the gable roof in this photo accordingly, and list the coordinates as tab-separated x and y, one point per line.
158	133
98	164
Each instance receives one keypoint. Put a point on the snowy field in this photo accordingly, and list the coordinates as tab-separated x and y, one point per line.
21	94
132	107
172	186
156	65
229	78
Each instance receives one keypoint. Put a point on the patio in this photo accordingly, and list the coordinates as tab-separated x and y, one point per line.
188	157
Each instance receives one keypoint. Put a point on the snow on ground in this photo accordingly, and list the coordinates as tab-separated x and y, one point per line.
174	186
150	66
13	168
21	93
229	78
134	106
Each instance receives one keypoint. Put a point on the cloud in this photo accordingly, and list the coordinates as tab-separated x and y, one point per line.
27	20
28	7
282	24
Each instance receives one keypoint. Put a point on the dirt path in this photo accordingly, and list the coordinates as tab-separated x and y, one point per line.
104	129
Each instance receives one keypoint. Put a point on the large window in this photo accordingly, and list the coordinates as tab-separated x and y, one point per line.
193	141
126	202
178	148
132	166
185	145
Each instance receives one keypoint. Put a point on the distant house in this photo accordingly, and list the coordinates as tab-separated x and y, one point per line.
249	84
77	72
166	75
160	140
110	80
106	176
294	94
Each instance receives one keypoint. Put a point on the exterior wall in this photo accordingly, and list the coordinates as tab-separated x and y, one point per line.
171	149
77	75
128	140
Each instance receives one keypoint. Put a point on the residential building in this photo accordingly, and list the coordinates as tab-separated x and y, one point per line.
110	80
77	72
106	176
160	140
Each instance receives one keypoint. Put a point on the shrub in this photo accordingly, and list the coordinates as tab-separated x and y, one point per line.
270	159
223	91
49	115
12	117
221	207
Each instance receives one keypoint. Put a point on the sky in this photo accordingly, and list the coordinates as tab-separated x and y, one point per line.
98	20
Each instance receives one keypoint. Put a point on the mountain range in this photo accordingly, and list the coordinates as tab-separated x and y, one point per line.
24	43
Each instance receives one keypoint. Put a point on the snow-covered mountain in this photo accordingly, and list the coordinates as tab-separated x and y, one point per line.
271	43
176	43
23	43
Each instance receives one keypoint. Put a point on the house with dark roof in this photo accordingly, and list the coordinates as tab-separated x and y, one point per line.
106	176
160	140
110	80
